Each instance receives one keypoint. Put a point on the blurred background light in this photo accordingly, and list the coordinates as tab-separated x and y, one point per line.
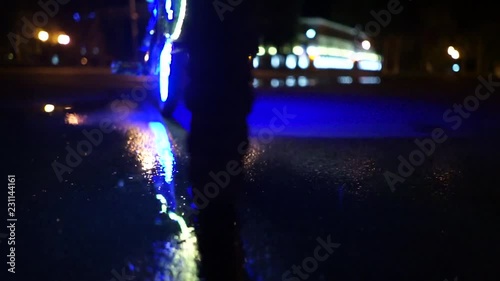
49	108
366	45
311	33
450	50
55	59
262	51
76	17
63	39
298	50
291	62
43	36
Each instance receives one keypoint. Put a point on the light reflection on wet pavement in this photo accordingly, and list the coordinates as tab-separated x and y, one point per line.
105	215
439	223
115	213
176	259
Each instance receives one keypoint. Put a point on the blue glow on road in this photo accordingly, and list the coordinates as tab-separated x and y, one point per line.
165	155
324	116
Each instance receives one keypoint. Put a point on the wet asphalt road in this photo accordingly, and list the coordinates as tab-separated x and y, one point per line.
315	172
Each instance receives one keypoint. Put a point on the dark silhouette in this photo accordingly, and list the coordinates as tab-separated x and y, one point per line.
278	20
220	36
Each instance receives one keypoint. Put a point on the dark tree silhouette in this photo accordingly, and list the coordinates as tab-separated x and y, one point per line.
278	20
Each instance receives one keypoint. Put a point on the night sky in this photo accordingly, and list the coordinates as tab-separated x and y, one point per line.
467	15
417	15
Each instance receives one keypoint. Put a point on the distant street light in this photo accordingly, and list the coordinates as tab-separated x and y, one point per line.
63	39
311	33
262	51
298	50
49	108
453	53
366	45
451	50
43	36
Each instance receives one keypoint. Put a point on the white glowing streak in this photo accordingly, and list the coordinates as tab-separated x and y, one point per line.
163	202
168	9
161	198
185	230
180	21
322	62
165	60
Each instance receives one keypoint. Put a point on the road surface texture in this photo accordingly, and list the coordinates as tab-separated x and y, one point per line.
318	204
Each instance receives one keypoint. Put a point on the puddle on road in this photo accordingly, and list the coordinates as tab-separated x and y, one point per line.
175	258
